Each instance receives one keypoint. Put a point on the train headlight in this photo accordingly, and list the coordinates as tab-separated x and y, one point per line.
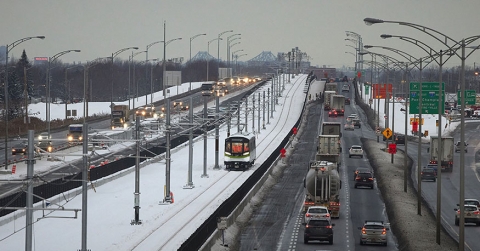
70	138
80	138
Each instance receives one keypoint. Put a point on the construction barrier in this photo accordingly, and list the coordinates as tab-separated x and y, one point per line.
14	169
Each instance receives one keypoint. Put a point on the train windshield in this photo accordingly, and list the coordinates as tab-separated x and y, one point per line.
237	146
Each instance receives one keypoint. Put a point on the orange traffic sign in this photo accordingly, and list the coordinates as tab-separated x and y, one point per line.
387	133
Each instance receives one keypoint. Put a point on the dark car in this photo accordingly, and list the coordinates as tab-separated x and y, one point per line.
361	170
400	139
318	229
347	101
356	123
429	174
364	180
19	148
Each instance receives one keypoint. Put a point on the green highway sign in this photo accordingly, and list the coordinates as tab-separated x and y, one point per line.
430	98
470	97
367	89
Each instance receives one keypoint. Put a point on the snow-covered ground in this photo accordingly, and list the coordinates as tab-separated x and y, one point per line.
110	206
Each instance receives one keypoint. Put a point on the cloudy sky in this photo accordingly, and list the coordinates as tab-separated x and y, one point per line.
316	27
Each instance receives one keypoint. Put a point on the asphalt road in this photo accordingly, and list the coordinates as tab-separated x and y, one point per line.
277	222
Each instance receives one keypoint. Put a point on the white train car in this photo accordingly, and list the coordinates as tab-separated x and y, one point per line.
240	151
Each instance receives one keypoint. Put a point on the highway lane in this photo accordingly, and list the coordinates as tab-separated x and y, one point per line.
357	205
451	183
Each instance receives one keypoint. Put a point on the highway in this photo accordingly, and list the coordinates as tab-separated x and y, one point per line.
451	183
277	221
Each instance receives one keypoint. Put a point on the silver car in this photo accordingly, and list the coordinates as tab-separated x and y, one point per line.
458	145
373	232
317	212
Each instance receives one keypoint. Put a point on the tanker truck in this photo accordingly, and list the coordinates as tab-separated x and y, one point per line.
322	187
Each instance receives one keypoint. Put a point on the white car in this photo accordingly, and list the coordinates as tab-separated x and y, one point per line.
355	150
317	212
349	126
457	146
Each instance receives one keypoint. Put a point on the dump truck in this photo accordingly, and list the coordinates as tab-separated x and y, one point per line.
332	128
329	148
446	156
331	87
328	99
337	104
120	116
322	187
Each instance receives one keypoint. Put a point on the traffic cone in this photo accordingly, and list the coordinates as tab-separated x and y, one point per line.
14	169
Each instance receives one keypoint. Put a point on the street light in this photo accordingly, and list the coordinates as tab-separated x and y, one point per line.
50	61
228	48
208	52
111	74
190	61
67	89
233	56
462	44
134	81
218	49
146	73
236	60
8	48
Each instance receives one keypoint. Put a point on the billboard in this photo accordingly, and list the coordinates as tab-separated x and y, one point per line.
174	78
380	90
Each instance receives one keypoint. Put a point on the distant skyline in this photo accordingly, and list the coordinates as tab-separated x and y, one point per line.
316	27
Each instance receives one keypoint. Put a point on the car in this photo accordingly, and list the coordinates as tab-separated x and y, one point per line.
429	174
235	80
221	82
349	126
400	139
347	101
471	202
361	170
433	166
351	118
346	88
19	148
43	136
471	215
318	229
364	180
356	123
317	212
373	231
332	113
457	146
355	150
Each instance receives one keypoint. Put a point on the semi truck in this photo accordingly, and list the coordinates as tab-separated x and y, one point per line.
329	148
328	99
337	104
446	156
120	116
322	187
75	133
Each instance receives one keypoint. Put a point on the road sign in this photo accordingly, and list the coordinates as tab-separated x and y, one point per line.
470	97
367	89
387	133
430	97
359	74
380	90
417	120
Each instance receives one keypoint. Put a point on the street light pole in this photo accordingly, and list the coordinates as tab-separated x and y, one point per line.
228	51
190	61
146	73
218	50
208	53
111	74
50	61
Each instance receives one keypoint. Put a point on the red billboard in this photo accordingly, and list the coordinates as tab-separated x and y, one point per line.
380	90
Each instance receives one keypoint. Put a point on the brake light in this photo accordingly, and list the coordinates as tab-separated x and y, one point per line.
357	178
307	215
384	231
328	226
421	173
370	178
327	215
458	211
364	231
476	212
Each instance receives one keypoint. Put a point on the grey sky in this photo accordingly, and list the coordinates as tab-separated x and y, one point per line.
317	27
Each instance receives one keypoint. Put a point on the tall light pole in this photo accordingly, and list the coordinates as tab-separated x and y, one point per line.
218	49
190	61
146	73
111	74
166	98
47	84
236	60
208	53
9	47
134	81
67	88
462	44
228	48
234	57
